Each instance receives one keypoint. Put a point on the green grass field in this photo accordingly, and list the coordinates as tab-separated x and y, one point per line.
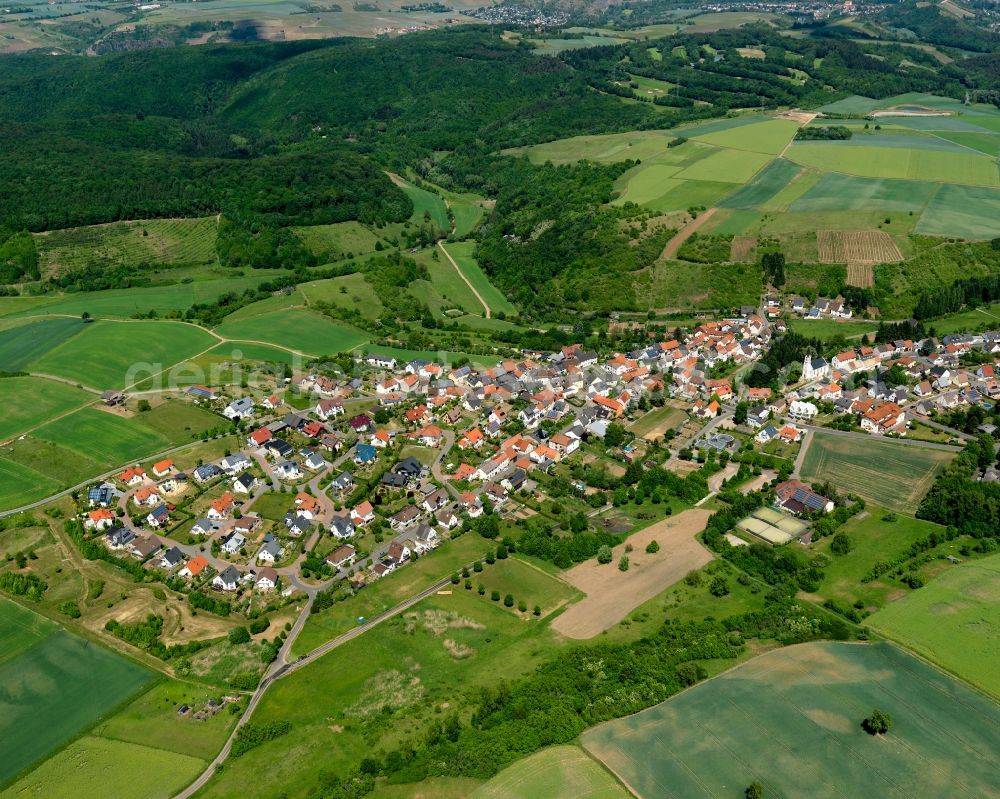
726	166
179	421
20	484
426	205
125	303
116	354
791	719
826	329
349	291
462	251
27	342
764	186
954	620
104	437
338	240
936	166
964	211
872	540
30	401
838	192
666	417
769	136
299	330
94	766
526	582
54	689
893	475
560	772
158	241
20	629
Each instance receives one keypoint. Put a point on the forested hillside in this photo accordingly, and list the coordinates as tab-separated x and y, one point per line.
275	135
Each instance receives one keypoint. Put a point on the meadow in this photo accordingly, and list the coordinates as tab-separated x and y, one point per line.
957	166
427	206
675	285
876	537
115	354
954	620
379	689
92	766
462	252
559	772
299	330
31	401
389	591
175	296
893	475
339	240
56	688
528	583
791	719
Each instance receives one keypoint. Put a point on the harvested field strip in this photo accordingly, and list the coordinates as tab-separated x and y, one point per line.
864	246
860	274
791	719
612	594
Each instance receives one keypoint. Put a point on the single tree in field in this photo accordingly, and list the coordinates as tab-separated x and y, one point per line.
652	548
623	563
878	723
755	790
604	554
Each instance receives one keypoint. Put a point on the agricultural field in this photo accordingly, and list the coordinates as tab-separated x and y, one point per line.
180	242
965	211
857	246
791	719
299	330
105	437
25	343
93	766
560	772
954	620
32	401
20	484
427	206
893	475
612	594
116	354
936	166
64	684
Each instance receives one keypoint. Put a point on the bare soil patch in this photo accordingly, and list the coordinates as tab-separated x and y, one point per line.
613	594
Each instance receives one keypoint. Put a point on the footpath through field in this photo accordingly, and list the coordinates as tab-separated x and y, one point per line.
467	281
684	234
